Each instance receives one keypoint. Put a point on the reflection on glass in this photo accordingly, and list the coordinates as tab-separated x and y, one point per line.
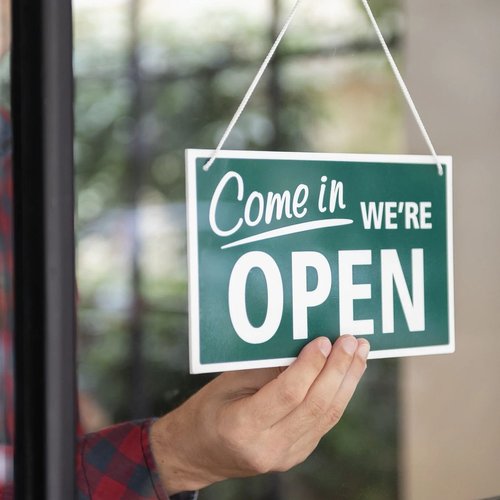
6	263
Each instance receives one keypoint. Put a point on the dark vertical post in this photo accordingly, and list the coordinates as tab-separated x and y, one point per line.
42	114
134	179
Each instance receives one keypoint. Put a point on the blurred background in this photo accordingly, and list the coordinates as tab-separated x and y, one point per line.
154	77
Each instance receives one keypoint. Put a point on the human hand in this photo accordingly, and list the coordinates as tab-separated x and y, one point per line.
252	422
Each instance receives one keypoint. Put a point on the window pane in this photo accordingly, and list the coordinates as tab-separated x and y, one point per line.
154	79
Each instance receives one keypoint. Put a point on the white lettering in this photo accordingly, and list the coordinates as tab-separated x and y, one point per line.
372	216
299	200
416	215
336	195
277	204
321	198
303	298
254	196
349	292
215	200
257	207
425	215
414	306
411	214
237	297
390	214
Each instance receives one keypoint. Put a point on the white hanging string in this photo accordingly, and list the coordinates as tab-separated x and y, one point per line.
252	87
403	87
268	58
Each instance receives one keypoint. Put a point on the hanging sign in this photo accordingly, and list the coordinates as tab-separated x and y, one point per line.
286	247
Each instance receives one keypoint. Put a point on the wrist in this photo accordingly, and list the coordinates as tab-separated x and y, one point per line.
177	452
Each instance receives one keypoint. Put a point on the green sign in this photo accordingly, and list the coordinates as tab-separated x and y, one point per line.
286	247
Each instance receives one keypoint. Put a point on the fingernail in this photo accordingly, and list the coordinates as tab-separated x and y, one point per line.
325	346
350	344
364	349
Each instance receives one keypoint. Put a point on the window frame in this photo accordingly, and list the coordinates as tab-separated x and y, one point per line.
44	255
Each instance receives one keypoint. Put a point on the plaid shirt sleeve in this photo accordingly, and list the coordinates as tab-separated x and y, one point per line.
6	310
118	463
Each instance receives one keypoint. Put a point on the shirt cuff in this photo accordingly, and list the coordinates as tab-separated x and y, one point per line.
150	461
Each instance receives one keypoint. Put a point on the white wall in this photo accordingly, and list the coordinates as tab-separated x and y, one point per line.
451	404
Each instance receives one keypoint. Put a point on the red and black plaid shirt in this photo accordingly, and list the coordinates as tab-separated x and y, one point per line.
117	463
114	463
6	304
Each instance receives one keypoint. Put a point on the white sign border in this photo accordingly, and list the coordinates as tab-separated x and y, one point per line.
195	365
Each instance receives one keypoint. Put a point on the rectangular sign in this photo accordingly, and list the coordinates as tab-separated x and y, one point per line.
286	247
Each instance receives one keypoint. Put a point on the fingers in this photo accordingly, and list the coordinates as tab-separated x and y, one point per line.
349	385
277	425
245	383
329	395
285	393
